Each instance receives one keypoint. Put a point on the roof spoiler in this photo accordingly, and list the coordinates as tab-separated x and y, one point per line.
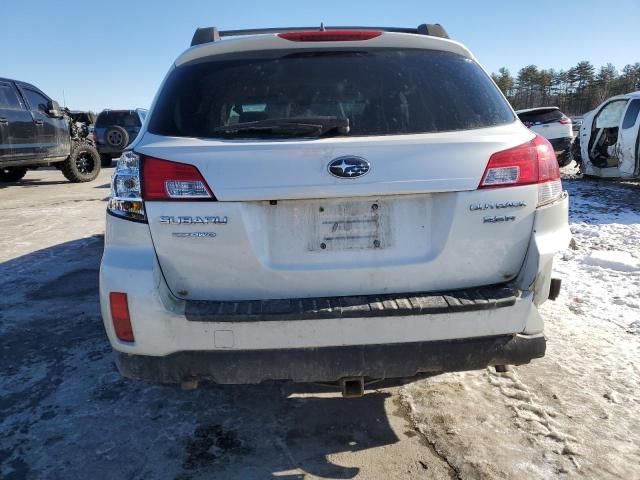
212	34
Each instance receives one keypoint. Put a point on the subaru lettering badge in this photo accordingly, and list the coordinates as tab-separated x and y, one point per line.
348	167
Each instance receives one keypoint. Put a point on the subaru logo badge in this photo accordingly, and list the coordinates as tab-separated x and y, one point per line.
348	167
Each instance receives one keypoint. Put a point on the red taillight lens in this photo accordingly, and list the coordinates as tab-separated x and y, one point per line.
516	166
565	120
120	316
331	36
166	180
529	163
548	168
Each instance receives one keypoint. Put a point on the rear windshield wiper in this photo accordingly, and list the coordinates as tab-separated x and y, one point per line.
291	126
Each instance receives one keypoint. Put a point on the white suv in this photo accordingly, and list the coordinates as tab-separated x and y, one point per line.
553	125
335	205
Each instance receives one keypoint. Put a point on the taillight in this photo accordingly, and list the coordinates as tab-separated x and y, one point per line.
166	180
120	316
565	120
330	35
533	162
126	195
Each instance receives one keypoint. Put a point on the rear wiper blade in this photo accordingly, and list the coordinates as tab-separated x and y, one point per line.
307	126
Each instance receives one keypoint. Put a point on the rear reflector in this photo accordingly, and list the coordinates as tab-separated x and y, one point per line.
530	163
165	180
330	36
120	316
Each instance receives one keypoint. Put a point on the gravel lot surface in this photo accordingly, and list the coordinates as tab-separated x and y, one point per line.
65	412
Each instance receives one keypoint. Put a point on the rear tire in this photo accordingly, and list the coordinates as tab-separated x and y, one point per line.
12	174
105	160
83	165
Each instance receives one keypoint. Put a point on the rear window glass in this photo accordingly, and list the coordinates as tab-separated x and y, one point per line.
380	92
120	119
540	116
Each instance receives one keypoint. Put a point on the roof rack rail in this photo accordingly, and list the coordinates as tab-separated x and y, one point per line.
212	34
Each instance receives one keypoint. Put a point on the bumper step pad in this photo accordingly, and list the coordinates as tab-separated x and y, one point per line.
352	307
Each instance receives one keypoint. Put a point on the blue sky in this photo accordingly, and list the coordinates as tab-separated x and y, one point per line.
114	54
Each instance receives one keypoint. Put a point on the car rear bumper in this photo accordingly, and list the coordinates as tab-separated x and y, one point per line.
227	341
164	325
329	364
561	144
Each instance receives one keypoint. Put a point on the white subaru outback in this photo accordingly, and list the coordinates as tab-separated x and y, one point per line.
331	205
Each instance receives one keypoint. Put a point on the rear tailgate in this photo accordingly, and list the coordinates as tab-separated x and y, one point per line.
287	228
546	122
420	111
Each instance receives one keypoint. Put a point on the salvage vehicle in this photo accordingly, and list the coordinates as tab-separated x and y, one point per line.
115	130
87	118
553	125
609	142
35	131
339	205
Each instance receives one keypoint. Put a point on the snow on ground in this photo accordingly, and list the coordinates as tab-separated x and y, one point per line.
576	412
601	272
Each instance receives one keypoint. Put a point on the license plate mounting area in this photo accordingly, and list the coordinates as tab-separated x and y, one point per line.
351	225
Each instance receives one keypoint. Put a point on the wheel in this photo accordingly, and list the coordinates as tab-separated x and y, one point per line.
565	158
83	165
116	137
12	174
105	160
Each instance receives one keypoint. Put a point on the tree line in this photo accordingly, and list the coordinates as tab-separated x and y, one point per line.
575	91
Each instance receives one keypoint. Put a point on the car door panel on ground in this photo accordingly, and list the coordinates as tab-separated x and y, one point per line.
18	130
51	130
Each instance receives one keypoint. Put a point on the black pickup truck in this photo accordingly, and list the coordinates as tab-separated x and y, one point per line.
35	131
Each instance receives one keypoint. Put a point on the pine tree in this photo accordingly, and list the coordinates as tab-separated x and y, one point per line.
575	91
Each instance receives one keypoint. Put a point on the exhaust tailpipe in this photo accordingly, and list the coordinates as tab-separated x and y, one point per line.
352	387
